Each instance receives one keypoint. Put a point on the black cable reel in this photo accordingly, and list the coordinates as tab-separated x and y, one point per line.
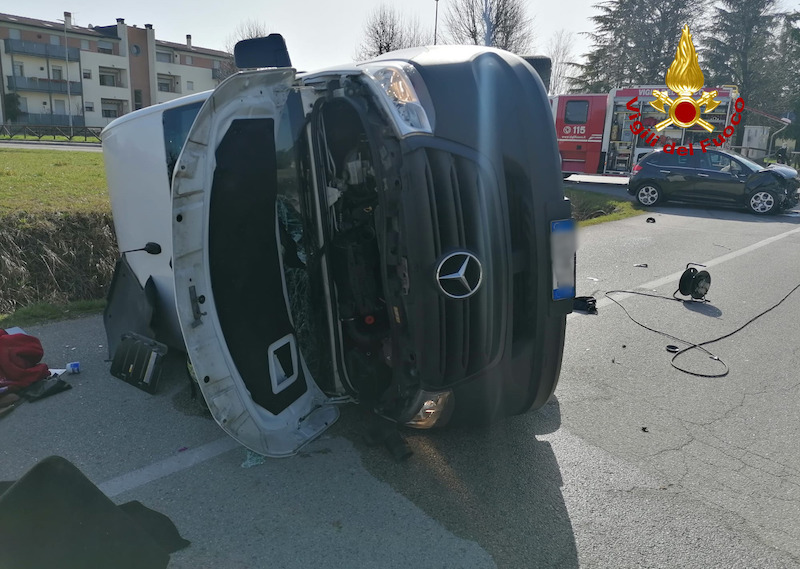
694	283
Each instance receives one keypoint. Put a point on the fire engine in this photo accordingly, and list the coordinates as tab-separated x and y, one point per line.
594	129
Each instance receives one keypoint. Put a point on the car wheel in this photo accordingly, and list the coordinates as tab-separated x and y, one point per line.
648	195
763	202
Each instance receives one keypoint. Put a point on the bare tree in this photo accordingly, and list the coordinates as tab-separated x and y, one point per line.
387	30
498	23
415	34
560	49
247	29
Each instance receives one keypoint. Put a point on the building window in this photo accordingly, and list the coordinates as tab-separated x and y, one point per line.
56	72
104	46
110	77
13	34
88	107
168	83
85	45
190	85
187	59
137	99
87	73
111	108
19	70
135	49
217	64
23	104
55	40
163	57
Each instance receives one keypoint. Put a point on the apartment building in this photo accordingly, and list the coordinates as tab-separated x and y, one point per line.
56	73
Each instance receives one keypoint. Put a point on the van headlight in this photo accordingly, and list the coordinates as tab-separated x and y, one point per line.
430	408
391	82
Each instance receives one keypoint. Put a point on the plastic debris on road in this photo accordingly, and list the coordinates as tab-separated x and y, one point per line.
253	459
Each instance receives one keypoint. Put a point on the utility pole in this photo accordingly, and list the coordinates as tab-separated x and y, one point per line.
436	23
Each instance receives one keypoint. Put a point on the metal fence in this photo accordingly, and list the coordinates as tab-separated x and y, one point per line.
49	131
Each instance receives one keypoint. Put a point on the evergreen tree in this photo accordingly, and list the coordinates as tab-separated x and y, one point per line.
788	69
740	48
634	42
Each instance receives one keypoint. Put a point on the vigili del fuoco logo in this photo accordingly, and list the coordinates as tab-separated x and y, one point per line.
685	78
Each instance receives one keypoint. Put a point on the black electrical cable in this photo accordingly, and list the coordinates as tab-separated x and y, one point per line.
692	345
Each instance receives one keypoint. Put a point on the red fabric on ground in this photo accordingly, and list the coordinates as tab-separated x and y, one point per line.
20	355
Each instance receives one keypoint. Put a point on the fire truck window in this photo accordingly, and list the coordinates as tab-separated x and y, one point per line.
577	112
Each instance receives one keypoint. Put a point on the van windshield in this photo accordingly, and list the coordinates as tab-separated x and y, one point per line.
177	123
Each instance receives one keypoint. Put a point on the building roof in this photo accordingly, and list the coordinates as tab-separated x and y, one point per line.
192	49
55	26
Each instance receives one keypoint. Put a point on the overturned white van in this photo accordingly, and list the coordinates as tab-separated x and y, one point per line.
393	231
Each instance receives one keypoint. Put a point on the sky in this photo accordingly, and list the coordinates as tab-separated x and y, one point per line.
318	33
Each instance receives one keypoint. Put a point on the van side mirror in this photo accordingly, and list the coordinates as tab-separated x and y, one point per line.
262	52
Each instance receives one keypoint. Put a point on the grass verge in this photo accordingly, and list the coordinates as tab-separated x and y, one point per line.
52	181
57	244
589	208
41	312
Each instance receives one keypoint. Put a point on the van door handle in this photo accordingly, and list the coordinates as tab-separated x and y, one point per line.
666	171
703	175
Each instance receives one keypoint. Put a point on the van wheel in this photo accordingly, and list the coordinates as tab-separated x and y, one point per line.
763	202
648	195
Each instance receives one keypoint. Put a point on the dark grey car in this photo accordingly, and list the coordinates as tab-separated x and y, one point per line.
714	177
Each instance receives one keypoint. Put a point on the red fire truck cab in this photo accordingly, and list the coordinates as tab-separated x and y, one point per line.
580	120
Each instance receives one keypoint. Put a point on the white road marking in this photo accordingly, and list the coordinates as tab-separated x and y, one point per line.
171	465
674	277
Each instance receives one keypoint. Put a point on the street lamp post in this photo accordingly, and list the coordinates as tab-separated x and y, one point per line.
436	22
66	56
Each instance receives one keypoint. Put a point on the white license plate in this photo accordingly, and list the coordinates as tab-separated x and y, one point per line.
562	253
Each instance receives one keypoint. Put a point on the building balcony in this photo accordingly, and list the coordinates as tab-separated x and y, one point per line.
40	49
17	83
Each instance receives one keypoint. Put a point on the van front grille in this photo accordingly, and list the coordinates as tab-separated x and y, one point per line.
466	216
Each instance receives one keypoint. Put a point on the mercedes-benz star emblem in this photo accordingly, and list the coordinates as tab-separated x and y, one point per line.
459	275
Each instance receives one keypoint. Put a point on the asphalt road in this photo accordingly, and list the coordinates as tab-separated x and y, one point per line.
632	464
